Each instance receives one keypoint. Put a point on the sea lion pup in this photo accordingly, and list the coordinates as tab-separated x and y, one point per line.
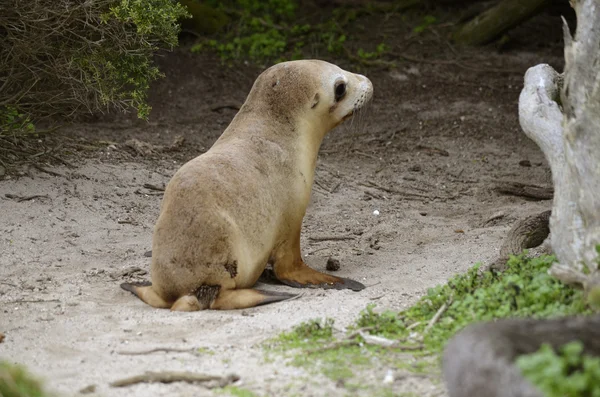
230	211
479	361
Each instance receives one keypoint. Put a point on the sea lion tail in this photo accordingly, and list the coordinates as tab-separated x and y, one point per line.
145	292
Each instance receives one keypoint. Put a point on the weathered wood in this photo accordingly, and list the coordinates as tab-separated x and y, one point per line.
479	361
524	190
525	233
561	113
495	21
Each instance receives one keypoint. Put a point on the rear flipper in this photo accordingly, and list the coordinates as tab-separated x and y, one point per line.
227	299
208	297
145	292
245	298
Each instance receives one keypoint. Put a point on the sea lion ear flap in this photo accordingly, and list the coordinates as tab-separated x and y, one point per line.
315	101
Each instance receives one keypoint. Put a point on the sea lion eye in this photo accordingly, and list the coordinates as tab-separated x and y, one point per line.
340	91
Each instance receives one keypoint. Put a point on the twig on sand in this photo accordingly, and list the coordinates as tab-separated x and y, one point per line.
525	190
373	340
25	198
154	187
332	238
44	170
349	340
387	343
192	350
35	301
170	377
407	195
221	107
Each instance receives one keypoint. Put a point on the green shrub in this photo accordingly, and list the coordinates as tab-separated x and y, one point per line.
261	32
525	289
66	57
15	381
568	373
14	123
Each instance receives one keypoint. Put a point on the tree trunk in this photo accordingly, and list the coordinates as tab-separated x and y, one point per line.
494	22
561	113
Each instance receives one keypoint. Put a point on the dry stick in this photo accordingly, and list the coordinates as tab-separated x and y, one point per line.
170	377
334	345
525	190
35	301
331	238
347	341
371	156
317	250
389	190
221	107
319	184
65	162
335	188
437	316
388	343
42	169
413	325
154	187
158	349
25	198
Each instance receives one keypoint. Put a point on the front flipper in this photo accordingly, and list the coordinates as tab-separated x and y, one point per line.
306	277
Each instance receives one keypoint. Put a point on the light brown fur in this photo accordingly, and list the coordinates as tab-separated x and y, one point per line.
240	205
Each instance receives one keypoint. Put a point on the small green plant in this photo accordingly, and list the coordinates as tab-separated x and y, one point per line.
308	333
525	289
379	51
261	32
12	122
386	323
15	381
101	54
238	392
568	373
428	20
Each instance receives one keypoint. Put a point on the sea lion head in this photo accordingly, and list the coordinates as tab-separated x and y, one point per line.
309	91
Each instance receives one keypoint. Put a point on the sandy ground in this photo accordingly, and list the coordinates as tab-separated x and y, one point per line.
434	144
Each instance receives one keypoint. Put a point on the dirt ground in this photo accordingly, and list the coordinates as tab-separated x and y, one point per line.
409	188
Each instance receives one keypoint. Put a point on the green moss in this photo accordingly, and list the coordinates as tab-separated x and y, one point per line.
525	289
15	381
12	122
276	30
567	373
237	392
126	75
